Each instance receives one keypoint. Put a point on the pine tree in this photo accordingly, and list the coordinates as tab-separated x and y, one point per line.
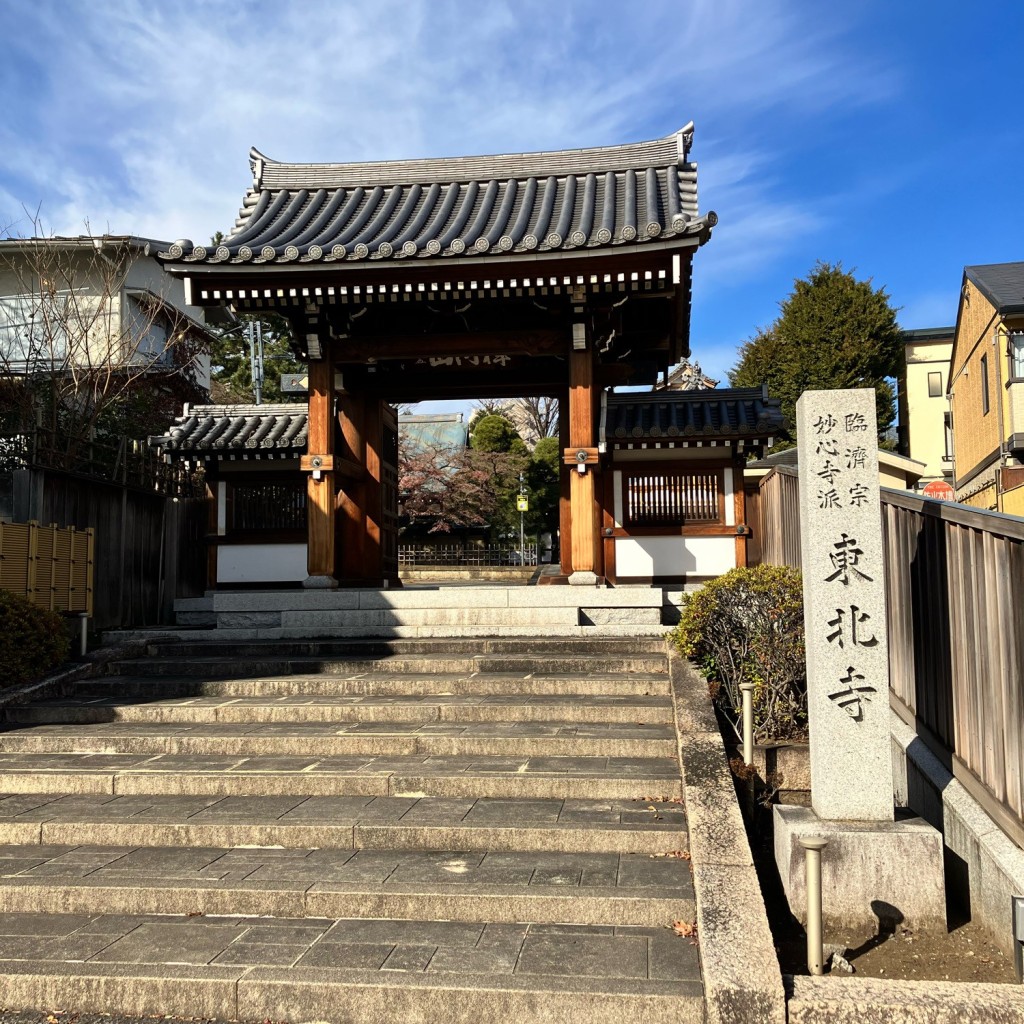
833	331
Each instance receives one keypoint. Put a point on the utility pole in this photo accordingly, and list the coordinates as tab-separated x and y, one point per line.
522	515
254	333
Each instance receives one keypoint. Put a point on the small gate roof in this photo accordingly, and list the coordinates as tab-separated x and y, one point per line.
515	203
236	432
677	416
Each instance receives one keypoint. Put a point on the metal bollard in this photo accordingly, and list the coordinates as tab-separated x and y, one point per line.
813	845
747	689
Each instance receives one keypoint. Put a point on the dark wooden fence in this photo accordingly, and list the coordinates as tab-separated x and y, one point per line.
148	548
955	595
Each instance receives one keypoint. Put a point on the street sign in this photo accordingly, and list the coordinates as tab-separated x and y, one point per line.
522	503
938	489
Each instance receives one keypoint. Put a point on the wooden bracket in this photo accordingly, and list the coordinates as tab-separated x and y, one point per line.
580	456
312	463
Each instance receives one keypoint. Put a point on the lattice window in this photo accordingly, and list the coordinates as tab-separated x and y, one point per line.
670	499
269	506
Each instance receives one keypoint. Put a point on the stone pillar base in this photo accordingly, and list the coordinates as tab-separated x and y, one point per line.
320	583
583	578
874	874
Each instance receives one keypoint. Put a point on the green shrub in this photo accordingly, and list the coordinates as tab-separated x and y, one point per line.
32	640
748	626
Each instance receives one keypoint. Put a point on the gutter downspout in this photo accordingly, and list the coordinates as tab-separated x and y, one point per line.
999	357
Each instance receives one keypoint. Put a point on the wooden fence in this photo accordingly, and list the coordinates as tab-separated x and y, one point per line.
955	589
148	548
52	567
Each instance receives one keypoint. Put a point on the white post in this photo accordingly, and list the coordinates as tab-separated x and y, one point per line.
83	624
747	689
813	845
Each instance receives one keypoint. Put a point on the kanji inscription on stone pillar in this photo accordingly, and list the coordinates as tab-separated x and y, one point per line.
844	606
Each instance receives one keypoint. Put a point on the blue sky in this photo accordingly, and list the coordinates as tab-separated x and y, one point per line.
885	135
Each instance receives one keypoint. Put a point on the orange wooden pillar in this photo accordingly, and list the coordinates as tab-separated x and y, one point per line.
564	500
350	528
582	462
740	511
373	495
319	463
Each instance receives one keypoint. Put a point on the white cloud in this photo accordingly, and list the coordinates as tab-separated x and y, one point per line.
149	111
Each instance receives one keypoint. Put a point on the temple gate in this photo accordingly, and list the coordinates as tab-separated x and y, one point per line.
557	274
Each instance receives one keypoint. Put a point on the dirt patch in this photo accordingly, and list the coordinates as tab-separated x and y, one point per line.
965	953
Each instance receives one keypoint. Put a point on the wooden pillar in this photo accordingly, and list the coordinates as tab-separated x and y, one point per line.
319	463
350	528
582	454
740	507
373	435
564	508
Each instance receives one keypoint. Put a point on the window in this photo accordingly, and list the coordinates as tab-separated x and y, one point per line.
935	384
1016	351
948	456
269	506
984	385
670	499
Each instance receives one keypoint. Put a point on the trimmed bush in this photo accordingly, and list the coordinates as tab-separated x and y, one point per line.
748	626
32	640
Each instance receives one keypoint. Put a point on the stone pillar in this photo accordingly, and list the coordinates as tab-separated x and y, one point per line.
319	463
877	872
844	606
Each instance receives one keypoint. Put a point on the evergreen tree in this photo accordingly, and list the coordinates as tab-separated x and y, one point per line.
231	362
833	331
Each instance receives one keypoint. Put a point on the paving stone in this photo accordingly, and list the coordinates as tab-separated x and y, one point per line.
486	785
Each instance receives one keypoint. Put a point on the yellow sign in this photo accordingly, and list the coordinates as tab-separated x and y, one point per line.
522	503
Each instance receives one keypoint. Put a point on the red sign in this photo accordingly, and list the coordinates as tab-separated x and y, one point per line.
938	489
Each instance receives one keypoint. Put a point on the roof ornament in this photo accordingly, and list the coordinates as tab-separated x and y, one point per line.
684	139
256	162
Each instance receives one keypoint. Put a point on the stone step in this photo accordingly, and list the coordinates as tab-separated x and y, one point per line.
591	633
303	708
357	622
347	739
274	665
376	648
343	970
593	778
378	684
588	888
344	823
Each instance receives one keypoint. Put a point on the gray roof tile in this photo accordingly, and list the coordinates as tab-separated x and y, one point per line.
720	413
509	203
1001	283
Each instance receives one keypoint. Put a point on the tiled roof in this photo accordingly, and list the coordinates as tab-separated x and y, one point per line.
432	431
691	415
236	431
471	206
1001	283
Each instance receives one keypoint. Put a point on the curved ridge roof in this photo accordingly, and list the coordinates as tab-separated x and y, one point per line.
454	206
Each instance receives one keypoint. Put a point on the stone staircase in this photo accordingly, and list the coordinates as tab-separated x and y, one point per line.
374	831
486	610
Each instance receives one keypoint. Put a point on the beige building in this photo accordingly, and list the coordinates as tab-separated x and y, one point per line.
97	303
894	470
925	434
986	388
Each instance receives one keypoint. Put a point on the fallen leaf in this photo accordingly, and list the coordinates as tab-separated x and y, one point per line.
684	929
